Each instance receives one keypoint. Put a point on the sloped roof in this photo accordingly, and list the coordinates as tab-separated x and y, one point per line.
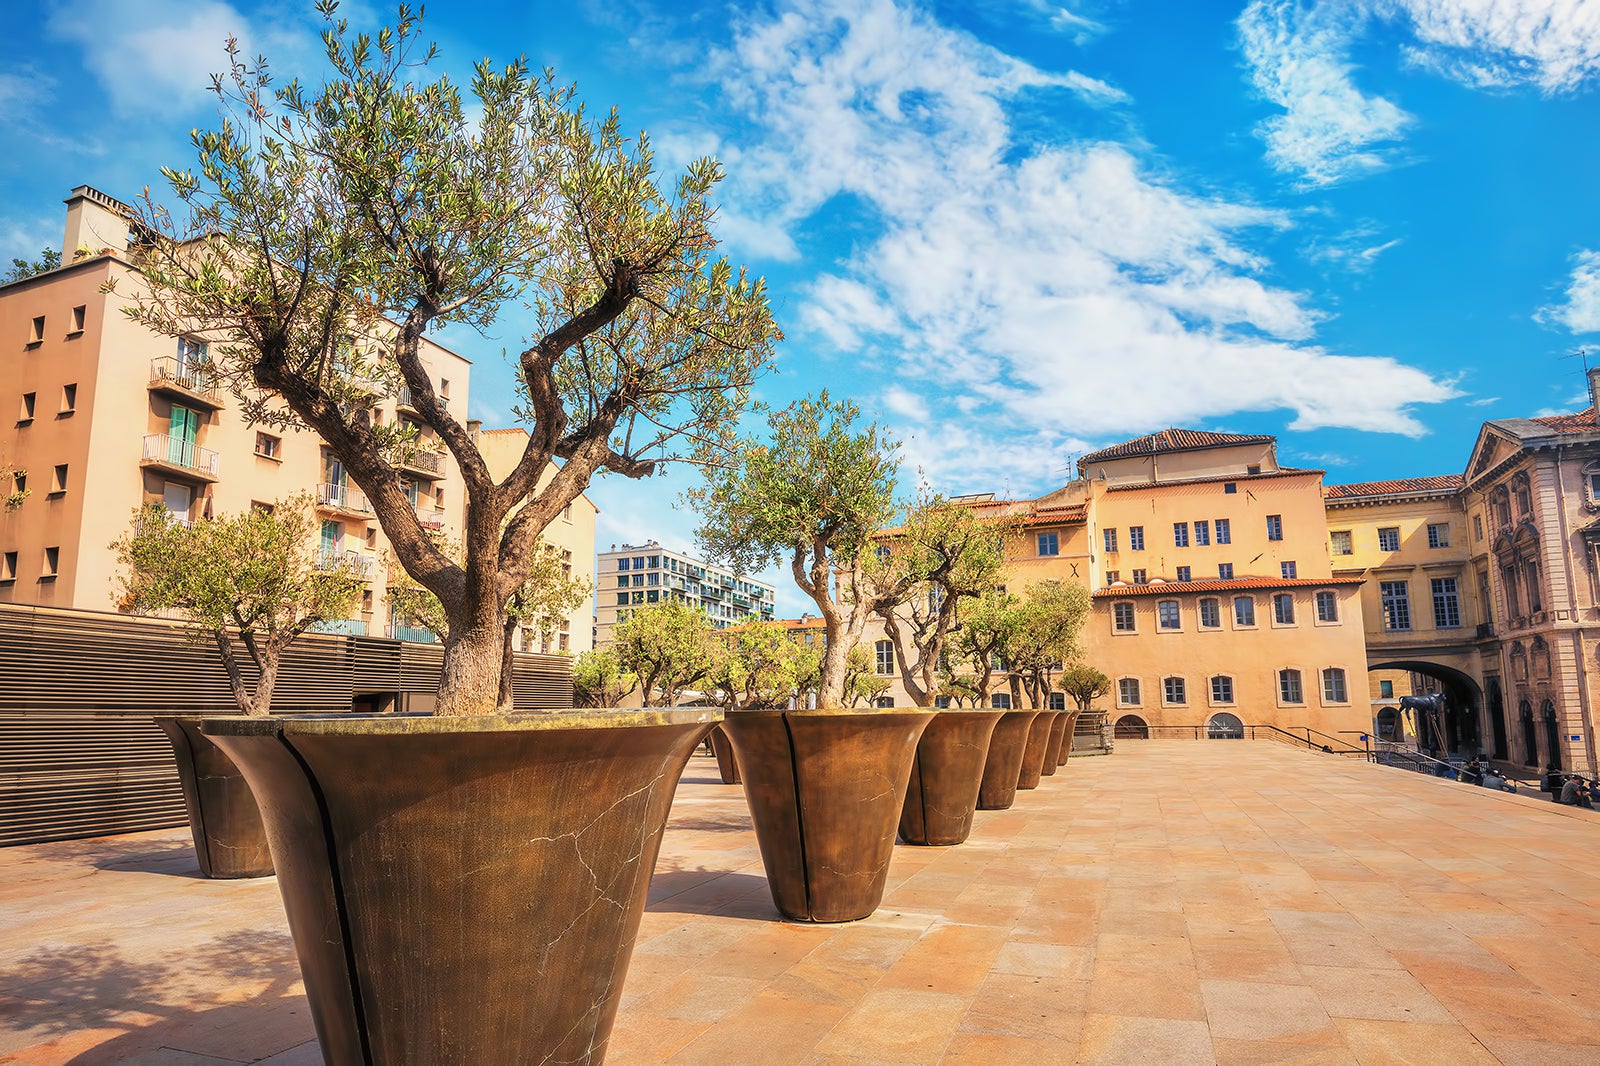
1173	440
1238	583
1396	487
1577	422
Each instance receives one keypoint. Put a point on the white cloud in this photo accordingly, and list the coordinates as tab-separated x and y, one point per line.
1065	290
1299	60
1484	401
906	404
1580	312
1356	250
1553	44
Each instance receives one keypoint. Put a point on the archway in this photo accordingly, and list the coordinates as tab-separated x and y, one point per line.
1530	734
1225	726
1130	727
1497	720
1463	698
1552	734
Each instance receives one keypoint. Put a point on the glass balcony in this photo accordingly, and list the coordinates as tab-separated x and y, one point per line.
176	455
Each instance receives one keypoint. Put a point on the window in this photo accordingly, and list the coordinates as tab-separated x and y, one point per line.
638	597
1396	605
1244	611
1286	569
622	599
1225	571
638	580
1128	691
1000	701
1446	604
1531	577
1389	539
653	596
622	581
77	320
883	701
1222	689
885	657
1210	613
1180	534
566	513
1110	536
1168	616
1058	701
267	445
1252	470
1340	543
1139	578
366	601
638	562
1283	609
1333	688
938	701
58	483
1386	689
1438	534
1274	527
1229	488
36	335
654	562
1122	617
1174	691
1113	576
1327	607
26	415
1202	533
69	399
622	564
190	351
19	482
1136	538
1224	531
8	566
1477	524
1183	574
1289	690
52	564
653	579
1048	544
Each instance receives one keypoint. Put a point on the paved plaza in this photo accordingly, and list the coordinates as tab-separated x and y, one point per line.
1178	901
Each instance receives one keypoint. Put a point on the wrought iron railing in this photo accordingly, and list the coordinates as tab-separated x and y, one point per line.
345	497
165	448
197	379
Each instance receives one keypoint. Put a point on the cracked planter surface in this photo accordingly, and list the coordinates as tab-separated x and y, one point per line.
727	765
945	775
1003	767
825	789
1032	768
229	839
464	890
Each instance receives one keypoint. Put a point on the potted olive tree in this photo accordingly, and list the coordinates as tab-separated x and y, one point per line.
825	785
757	665
485	874
251	584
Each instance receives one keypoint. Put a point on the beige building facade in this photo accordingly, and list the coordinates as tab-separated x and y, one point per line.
631	576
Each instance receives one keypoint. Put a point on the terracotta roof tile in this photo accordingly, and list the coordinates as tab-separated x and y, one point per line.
1284	471
1173	440
1578	422
1396	487
1169	587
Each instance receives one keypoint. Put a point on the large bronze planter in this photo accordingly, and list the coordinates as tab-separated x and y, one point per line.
1003	767
727	765
1032	768
1052	748
464	889
825	789
1065	752
229	839
945	775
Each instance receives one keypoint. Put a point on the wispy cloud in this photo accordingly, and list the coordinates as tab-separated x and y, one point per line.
1580	311
1356	250
1035	287
1551	44
1484	401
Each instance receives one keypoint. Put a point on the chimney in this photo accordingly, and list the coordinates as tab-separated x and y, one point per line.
94	221
1594	390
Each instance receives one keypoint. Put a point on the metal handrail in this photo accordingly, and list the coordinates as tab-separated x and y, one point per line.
197	379
165	448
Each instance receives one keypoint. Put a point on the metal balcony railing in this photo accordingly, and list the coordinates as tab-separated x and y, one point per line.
165	448
353	627
415	634
344	497
357	562
404	399
424	460
198	379
428	516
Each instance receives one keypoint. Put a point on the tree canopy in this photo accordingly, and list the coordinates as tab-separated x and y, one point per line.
1045	636
325	229
759	665
1084	684
668	647
49	259
598	679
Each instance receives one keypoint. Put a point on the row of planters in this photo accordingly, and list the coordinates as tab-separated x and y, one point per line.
466	887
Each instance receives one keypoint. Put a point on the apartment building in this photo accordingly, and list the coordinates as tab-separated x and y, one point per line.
636	575
110	417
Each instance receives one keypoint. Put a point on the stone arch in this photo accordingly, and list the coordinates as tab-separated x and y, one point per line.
1130	727
1224	725
1464	704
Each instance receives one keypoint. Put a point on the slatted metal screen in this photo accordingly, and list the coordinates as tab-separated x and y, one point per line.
79	755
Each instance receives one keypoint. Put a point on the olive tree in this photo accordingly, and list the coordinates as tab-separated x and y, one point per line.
1084	684
324	230
987	627
251	579
668	647
759	665
598	679
1045	637
814	490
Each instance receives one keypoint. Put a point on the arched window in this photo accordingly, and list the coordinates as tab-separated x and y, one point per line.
1530	734
1289	687
1523	494
1128	691
1552	733
1130	727
1225	726
1222	689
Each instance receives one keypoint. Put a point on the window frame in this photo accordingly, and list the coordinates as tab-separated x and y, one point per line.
1126	683
1330	599
1338	546
1288	675
1169	610
1392	605
1275	527
1216	613
1283	609
1117	614
1174	683
1239	623
1136	538
1180	534
1215	699
1338	675
1054	544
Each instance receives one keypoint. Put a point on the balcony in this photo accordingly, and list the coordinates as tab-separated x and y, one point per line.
184	458
194	385
415	634
357	562
350	627
403	400
430	518
343	499
423	463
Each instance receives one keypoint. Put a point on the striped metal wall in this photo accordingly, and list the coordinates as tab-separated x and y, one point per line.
79	755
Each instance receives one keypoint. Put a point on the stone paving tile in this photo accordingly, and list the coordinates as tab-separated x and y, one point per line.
1176	902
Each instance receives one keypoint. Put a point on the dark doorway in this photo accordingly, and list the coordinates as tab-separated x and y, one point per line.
1530	734
1552	734
1130	727
1497	720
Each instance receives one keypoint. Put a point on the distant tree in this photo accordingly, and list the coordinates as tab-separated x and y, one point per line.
49	259
961	689
668	646
1050	615
759	665
327	228
814	491
598	679
251	578
941	556
1084	684
861	683
987	629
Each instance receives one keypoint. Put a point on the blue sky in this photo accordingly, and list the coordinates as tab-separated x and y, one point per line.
1018	231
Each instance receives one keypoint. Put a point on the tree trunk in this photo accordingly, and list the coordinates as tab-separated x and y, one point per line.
830	686
507	696
469	683
261	702
230	665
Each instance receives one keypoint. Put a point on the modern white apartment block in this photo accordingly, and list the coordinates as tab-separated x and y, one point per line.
637	575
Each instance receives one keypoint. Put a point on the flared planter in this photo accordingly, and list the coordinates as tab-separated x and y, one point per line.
943	790
826	788
1032	768
1003	767
464	890
727	765
229	839
1070	718
1052	749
